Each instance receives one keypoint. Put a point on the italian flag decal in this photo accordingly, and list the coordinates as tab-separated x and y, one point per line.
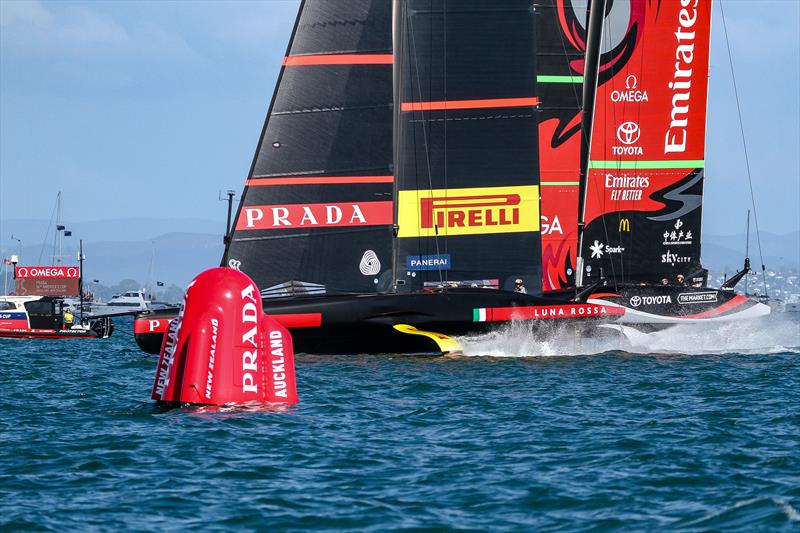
544	312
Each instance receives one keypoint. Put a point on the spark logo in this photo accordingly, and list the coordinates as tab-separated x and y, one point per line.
485	210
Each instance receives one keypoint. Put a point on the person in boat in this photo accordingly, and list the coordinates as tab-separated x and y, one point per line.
519	287
681	280
69	318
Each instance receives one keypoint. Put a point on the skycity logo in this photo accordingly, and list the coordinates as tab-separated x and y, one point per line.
485	210
672	259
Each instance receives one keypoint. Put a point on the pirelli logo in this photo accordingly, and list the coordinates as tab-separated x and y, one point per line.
484	210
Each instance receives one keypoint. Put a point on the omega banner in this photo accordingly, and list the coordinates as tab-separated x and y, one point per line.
47	280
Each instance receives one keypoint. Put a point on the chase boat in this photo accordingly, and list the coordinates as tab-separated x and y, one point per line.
32	317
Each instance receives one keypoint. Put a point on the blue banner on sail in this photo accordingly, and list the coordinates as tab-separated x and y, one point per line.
428	262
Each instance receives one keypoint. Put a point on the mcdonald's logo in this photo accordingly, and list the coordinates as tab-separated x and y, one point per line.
625	225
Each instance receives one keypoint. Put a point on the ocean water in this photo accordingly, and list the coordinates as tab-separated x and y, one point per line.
695	430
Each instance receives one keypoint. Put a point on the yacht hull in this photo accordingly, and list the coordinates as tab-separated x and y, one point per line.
366	323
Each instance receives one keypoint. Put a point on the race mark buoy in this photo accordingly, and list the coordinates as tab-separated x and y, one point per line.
223	349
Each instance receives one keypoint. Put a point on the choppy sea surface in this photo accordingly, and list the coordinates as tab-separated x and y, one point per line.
692	430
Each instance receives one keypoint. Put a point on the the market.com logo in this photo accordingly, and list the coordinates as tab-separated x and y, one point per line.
697	297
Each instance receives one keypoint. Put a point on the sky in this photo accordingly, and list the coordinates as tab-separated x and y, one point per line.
149	109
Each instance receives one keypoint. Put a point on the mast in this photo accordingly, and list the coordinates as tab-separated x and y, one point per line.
747	249
594	16
230	194
56	240
398	30
80	276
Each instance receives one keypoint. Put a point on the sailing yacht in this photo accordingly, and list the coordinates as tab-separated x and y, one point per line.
413	166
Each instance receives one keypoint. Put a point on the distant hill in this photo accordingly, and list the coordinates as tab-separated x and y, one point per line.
180	248
124	248
120	230
725	253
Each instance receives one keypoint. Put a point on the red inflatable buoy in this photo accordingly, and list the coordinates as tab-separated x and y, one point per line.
223	349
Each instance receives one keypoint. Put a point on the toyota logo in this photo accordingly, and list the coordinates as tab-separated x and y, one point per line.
628	132
636	301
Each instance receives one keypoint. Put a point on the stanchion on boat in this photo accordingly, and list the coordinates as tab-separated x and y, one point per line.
223	349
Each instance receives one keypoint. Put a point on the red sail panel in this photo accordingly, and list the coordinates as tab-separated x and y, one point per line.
560	51
559	202
644	190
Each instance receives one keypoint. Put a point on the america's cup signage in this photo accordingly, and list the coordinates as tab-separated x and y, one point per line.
47	280
47	272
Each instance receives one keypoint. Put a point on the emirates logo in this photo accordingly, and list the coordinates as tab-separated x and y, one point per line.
628	132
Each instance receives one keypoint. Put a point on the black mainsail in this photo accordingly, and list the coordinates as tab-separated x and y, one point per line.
316	212
467	156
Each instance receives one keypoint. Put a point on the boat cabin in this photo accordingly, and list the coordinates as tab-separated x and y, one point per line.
32	312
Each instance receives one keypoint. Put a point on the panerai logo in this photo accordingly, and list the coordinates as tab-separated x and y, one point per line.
681	84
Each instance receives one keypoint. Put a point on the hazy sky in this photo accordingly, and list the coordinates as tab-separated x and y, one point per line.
150	108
